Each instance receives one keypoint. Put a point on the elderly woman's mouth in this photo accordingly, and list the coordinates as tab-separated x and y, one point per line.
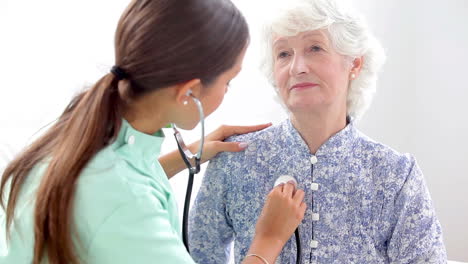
305	85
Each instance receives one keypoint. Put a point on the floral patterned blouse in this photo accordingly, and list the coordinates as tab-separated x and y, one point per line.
366	203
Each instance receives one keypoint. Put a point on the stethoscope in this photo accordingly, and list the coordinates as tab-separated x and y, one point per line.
187	156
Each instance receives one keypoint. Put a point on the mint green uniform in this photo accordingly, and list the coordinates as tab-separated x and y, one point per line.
124	208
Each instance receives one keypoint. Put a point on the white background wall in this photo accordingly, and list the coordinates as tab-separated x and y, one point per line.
50	49
421	106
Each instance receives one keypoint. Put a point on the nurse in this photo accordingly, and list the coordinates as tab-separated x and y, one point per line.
91	189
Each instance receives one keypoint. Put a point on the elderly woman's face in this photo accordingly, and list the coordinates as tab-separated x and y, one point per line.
310	75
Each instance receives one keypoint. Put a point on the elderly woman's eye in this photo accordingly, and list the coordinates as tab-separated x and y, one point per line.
283	54
315	48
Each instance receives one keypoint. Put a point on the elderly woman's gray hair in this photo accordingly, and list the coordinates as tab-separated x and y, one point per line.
348	33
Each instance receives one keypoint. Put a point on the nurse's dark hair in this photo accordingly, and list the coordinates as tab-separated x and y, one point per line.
158	43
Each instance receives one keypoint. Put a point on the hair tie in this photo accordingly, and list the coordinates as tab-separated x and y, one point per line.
119	73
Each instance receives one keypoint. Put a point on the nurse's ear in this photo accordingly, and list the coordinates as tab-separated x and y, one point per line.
186	89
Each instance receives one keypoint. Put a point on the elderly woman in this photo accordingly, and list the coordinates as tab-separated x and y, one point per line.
366	203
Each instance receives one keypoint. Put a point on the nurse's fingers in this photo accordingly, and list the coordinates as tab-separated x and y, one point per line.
228	131
288	189
299	196
231	146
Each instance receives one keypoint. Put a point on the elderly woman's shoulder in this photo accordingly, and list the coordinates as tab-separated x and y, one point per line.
264	135
255	140
381	155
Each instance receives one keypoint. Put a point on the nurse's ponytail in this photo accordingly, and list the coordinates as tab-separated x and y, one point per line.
158	43
88	124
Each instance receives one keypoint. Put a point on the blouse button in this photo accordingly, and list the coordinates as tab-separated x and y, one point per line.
314	186
131	140
315	217
313	243
313	159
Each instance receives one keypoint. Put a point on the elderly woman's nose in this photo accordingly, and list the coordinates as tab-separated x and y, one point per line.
298	66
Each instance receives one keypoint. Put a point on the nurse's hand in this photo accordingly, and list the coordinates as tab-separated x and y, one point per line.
282	213
172	163
214	141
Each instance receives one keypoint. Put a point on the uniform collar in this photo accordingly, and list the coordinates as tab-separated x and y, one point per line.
136	145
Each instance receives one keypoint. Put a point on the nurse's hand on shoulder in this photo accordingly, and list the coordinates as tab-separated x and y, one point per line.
172	163
282	213
214	141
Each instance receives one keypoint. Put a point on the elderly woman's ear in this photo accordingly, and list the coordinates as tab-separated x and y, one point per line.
356	66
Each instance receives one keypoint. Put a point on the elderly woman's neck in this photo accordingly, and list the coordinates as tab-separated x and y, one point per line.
316	129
